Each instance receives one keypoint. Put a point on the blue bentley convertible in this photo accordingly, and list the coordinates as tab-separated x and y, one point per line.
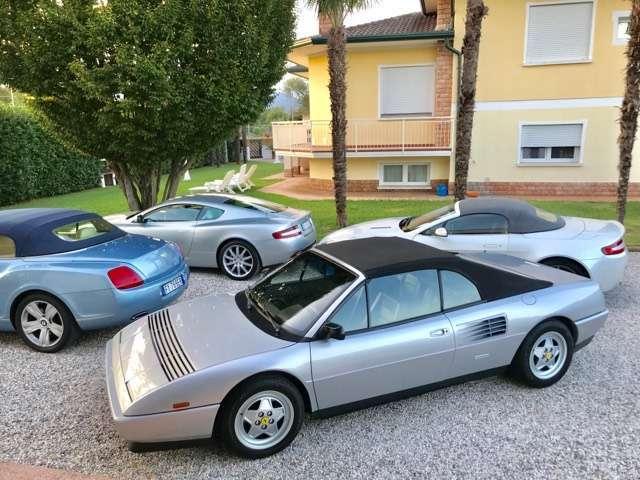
64	271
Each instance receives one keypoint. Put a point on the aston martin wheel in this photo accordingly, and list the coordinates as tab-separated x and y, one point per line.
43	322
239	260
545	354
262	417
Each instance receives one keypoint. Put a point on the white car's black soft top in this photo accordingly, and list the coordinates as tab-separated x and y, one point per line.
381	256
521	216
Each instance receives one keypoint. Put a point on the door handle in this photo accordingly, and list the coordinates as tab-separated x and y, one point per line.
440	332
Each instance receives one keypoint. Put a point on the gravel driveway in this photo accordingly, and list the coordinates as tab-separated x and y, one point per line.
54	412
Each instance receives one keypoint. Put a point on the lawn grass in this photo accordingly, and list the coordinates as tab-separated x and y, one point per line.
105	201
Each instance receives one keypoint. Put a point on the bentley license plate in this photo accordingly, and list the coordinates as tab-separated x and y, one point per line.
174	284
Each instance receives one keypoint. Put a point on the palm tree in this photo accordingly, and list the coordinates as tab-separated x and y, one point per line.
335	11
629	111
476	11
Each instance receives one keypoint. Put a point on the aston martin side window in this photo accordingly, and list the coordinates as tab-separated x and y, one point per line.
404	296
477	224
7	247
174	213
457	290
211	213
352	314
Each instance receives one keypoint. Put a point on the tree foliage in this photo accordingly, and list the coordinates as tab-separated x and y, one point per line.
298	89
35	163
147	84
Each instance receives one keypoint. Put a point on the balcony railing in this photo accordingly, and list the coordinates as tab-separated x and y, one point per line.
403	135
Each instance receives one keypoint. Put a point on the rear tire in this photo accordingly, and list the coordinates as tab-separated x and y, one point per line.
545	354
239	260
566	265
261	417
44	323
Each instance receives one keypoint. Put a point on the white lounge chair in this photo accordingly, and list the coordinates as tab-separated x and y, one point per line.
241	179
217	186
250	172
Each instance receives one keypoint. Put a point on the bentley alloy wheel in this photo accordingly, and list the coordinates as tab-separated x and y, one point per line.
43	322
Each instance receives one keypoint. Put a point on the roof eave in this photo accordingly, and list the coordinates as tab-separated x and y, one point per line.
441	34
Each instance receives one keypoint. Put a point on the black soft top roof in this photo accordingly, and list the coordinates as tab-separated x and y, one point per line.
381	256
522	216
31	230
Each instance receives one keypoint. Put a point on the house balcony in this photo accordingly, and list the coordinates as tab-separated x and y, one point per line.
366	137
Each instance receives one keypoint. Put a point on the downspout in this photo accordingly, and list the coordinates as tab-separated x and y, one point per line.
449	46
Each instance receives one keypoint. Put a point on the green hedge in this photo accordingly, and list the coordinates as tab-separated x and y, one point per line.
34	163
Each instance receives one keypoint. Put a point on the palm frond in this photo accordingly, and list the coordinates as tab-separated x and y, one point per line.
337	10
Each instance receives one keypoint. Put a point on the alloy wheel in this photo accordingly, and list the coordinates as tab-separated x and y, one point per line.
264	420
42	323
238	261
548	355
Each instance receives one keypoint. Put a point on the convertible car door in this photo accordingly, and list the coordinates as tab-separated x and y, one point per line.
405	343
210	228
479	232
482	330
174	223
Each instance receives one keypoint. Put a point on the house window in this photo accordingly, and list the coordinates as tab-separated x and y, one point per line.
407	91
410	174
559	32
558	144
621	21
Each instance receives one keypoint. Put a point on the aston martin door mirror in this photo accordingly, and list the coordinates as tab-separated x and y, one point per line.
441	232
333	330
140	219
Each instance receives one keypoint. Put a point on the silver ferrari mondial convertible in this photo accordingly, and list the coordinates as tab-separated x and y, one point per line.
342	326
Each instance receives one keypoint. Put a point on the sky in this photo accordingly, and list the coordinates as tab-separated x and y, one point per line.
308	23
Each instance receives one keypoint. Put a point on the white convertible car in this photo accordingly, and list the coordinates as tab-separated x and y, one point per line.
587	247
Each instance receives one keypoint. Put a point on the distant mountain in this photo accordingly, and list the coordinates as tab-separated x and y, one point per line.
284	101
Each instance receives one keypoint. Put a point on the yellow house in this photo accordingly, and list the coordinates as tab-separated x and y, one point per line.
550	84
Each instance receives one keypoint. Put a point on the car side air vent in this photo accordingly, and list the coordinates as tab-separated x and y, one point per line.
173	359
477	330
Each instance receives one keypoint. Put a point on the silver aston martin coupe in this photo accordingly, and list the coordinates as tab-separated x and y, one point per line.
235	233
342	326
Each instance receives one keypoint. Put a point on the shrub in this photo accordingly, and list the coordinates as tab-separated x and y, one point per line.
35	163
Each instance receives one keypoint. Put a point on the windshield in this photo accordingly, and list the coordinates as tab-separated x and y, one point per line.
411	223
300	292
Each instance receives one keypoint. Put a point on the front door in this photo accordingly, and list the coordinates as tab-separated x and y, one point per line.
397	339
174	223
479	232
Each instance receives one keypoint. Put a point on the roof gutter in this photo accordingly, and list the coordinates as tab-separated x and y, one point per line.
439	35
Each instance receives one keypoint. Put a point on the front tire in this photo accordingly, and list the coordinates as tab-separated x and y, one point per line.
239	260
545	355
262	417
44	323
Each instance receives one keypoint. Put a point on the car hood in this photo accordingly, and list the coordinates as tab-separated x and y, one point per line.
119	218
185	338
385	227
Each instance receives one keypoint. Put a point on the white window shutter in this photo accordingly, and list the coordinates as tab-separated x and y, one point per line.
407	90
559	32
562	135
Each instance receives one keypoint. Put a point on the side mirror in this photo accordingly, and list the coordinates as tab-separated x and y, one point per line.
333	330
441	232
140	219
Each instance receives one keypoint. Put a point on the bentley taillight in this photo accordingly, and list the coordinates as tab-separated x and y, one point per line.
124	278
615	248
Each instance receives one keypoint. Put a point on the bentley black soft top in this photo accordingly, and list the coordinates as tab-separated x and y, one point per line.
521	216
381	256
31	230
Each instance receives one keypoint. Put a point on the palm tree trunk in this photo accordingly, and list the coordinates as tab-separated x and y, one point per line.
629	111
476	11
336	46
